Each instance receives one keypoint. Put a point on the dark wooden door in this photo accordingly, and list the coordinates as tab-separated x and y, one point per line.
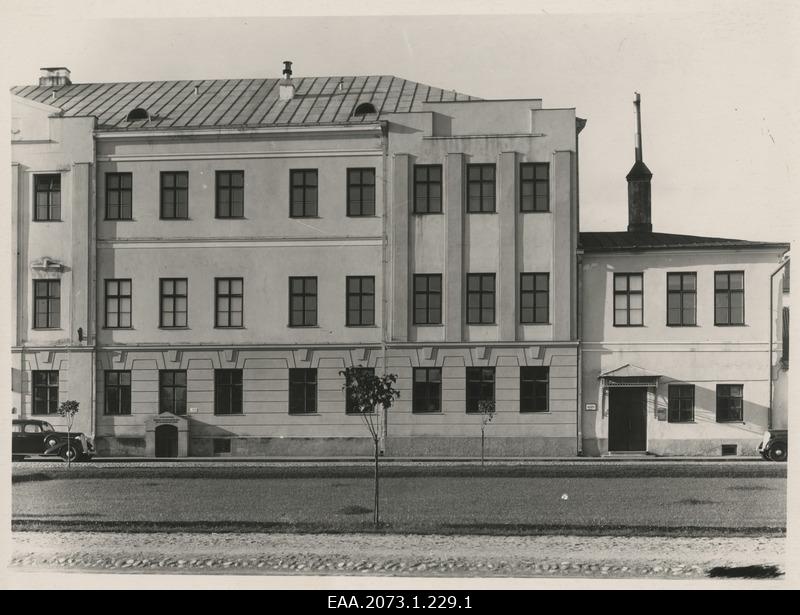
627	419
166	441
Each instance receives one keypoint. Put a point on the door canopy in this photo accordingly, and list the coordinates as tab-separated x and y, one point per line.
629	376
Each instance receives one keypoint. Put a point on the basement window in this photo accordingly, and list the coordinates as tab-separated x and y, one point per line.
137	114
729	450
222	446
364	109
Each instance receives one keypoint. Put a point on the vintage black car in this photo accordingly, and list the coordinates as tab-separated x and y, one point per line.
773	446
35	437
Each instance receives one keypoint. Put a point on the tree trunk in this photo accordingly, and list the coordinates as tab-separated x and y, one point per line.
68	443
376	515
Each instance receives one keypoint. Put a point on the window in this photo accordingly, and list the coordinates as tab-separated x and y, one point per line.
303	197
681	403
480	188
174	195
534	299
119	196
302	391
118	304
222	446
172	391
45	392
534	186
628	300
302	302
118	392
350	405
427	394
428	299
682	299
46	304
534	383
729	403
227	391
173	302
229	296
360	301
47	197
728	298
480	298
480	386
230	194
360	192
427	189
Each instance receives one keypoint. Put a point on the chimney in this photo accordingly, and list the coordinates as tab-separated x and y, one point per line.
286	86
639	183
54	76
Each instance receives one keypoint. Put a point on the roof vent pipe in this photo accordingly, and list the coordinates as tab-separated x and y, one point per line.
286	86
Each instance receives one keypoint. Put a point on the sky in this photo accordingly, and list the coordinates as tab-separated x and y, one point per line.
718	80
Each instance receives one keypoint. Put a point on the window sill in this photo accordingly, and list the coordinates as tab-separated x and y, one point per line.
304	414
731	422
482	213
424	412
46	329
226	413
358	413
230	218
291	217
683	326
534	211
362	326
118	220
629	326
47	220
106	414
741	324
427	213
363	216
303	326
540	324
117	328
482	324
175	219
535	412
681	422
174	328
428	324
235	327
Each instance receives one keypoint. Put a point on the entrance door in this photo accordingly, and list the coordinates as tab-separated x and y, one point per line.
166	441
627	419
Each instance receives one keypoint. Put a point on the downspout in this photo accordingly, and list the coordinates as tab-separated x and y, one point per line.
770	351
580	124
384	267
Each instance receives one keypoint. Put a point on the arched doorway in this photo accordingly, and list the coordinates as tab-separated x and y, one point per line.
166	441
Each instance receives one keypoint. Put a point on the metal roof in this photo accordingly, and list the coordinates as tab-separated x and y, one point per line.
624	240
237	102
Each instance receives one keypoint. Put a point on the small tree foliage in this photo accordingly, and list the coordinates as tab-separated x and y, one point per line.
486	407
68	410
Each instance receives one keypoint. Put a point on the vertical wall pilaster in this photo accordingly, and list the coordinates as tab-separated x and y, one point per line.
563	245
79	257
507	276
454	258
399	257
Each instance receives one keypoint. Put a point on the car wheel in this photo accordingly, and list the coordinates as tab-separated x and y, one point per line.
778	452
69	453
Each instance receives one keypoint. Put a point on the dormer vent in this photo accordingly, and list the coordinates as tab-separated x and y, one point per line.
137	114
366	108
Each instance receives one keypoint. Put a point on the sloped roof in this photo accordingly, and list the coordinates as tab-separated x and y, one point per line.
624	240
629	371
237	102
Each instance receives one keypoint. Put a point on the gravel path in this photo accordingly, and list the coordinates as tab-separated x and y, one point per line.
396	555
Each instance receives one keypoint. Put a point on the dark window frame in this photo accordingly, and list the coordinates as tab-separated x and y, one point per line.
426	393
533	199
538	294
230	295
228	190
628	293
173	190
426	294
228	392
362	312
50	389
676	410
481	185
729	292
725	397
432	204
118	191
348	402
308	384
119	391
175	295
365	207
120	296
480	293
682	292
173	386
534	389
309	208
481	383
52	189
52	314
304	295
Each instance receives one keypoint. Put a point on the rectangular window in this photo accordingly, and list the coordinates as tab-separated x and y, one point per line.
118	304
303	302
534	298
681	299
230	194
118	392
227	391
349	404
427	393
119	196
47	197
534	186
45	392
46	304
681	403
174	195
534	383
360	301
730	408
628	288
222	446
428	299
480	188
303	195
229	298
728	298
427	189
302	391
480	298
360	192
174	297
480	387
172	391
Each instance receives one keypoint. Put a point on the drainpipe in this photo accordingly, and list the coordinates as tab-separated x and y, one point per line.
579	264
771	309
